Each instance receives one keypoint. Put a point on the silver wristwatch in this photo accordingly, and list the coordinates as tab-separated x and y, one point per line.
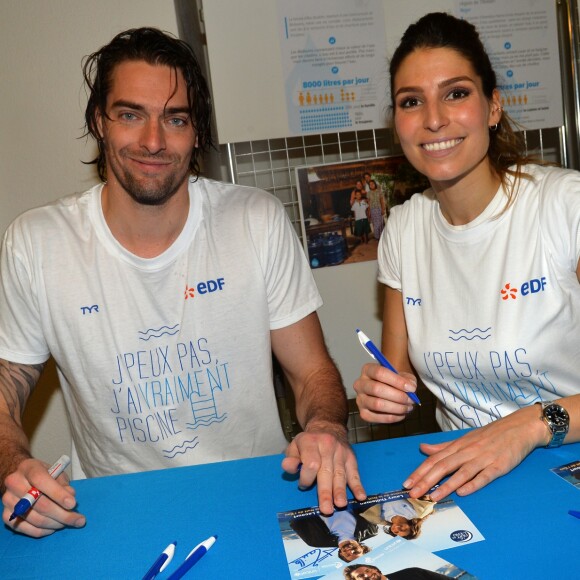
557	420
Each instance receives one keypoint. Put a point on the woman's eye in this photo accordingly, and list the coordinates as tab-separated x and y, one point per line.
408	102
458	94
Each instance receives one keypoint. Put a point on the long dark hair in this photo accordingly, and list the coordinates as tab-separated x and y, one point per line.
441	30
156	48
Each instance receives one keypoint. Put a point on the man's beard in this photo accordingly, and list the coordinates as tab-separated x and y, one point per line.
150	191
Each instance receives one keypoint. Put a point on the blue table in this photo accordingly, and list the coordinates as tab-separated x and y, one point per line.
132	518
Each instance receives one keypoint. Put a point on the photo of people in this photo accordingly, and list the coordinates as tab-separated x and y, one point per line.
370	572
344	529
431	525
401	517
344	207
390	531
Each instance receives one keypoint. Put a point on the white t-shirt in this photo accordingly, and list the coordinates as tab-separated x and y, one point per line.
360	209
493	307
164	361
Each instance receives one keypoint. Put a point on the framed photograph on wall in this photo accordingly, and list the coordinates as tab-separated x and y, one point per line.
344	206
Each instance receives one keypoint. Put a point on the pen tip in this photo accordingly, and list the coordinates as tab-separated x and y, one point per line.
13	516
358	329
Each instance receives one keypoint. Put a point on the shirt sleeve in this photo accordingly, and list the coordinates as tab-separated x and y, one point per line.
389	254
21	337
291	290
560	216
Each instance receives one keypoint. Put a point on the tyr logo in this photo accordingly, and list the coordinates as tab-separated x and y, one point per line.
89	309
413	301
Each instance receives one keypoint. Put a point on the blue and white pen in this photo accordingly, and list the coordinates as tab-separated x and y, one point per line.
375	353
31	497
192	558
161	563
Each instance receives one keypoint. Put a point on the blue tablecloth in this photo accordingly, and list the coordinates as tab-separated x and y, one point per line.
132	518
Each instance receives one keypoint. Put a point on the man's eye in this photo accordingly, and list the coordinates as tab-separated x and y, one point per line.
177	122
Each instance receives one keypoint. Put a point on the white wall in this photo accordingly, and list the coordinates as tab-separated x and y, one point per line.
42	43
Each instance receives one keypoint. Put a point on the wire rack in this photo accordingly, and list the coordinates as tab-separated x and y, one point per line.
270	164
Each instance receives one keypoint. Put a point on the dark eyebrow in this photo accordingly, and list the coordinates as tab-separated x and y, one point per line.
443	84
176	110
454	80
121	103
128	104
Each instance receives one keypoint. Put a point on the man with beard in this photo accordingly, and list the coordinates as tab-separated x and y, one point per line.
368	572
161	296
345	529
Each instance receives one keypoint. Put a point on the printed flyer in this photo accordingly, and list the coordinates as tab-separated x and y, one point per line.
569	472
387	532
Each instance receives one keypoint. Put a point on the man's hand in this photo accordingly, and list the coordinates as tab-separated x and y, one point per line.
52	511
479	456
323	455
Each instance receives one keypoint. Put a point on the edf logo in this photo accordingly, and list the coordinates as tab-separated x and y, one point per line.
533	286
204	287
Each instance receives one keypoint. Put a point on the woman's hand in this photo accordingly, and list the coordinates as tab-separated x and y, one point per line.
479	456
381	394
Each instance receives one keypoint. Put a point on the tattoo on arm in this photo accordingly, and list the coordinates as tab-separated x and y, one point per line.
17	381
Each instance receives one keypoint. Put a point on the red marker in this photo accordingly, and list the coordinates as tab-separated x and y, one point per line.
28	500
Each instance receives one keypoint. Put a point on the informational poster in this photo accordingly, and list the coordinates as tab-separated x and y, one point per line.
334	64
521	38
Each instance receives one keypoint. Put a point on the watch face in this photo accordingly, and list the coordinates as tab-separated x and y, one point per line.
556	415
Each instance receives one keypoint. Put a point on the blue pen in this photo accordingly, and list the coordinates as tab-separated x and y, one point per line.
369	346
31	497
574	513
193	557
161	563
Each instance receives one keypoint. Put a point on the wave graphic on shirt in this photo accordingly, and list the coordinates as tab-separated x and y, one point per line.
181	449
464	334
158	332
207	421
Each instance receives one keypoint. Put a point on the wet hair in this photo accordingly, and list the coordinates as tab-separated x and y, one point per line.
442	30
348	570
155	48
